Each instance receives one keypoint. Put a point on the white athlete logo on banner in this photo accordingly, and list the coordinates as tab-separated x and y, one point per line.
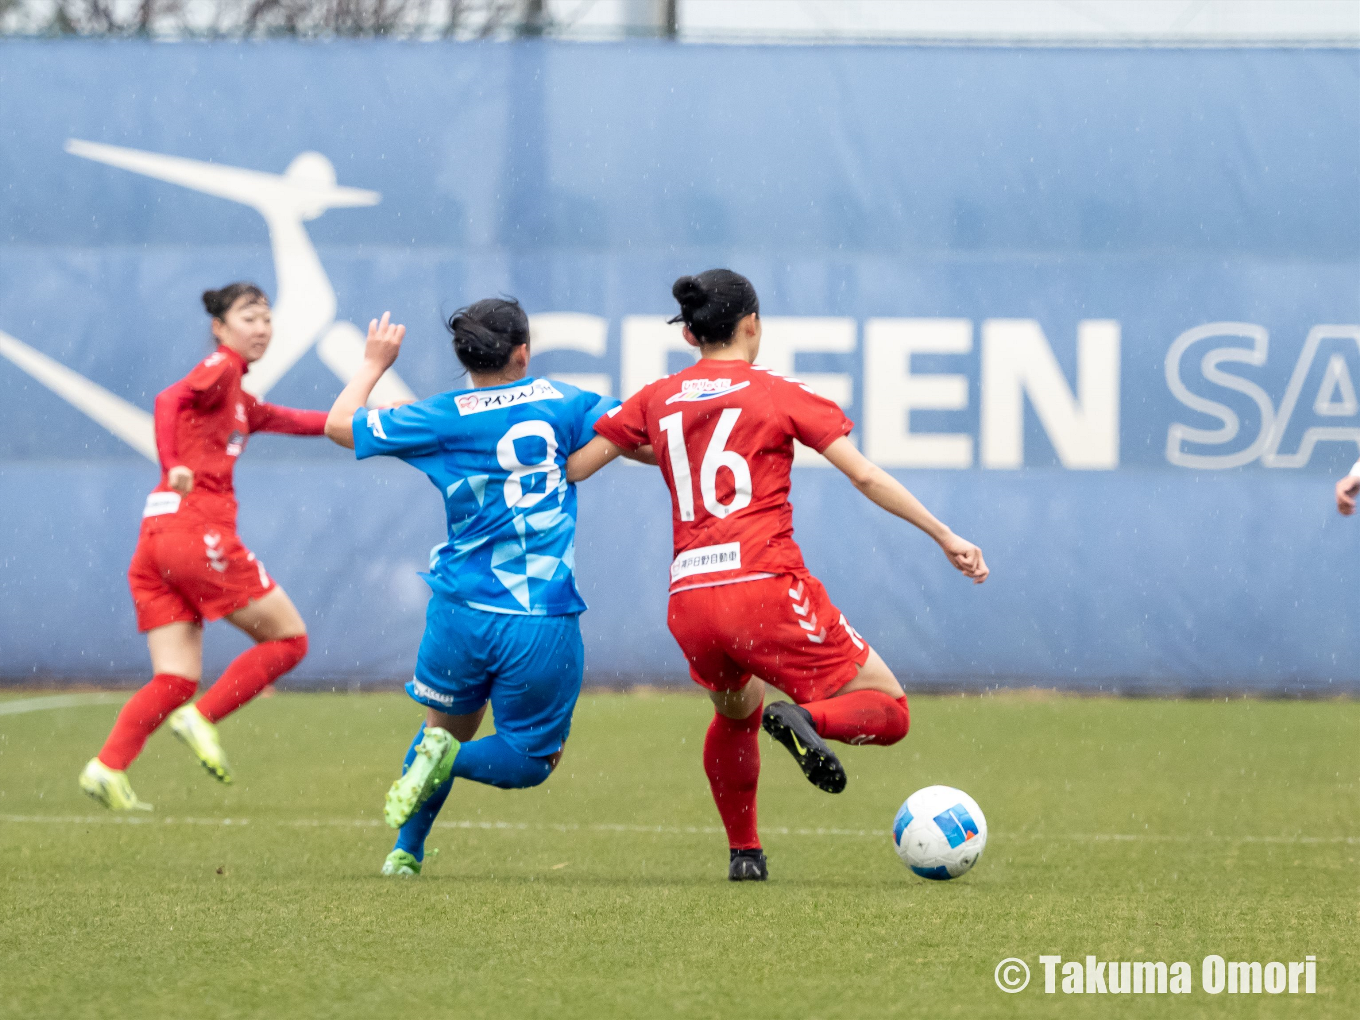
305	304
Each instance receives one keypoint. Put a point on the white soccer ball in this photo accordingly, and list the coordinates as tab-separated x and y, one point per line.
939	832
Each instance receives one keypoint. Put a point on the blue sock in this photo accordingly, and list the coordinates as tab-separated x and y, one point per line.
494	762
412	836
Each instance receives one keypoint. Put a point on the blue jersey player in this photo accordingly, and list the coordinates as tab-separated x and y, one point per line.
501	626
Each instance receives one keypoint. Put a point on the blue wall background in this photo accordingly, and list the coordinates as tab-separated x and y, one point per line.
1163	189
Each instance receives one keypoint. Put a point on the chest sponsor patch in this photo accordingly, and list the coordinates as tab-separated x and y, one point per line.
704	389
493	400
159	503
706	559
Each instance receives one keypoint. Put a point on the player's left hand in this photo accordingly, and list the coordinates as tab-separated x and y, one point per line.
1346	490
384	341
966	557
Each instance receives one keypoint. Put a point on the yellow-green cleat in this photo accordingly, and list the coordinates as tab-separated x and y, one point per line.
200	736
402	865
110	787
430	770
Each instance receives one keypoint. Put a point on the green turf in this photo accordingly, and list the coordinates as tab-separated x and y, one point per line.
603	892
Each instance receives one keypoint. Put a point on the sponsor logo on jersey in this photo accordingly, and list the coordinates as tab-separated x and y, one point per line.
375	424
427	693
704	389
493	400
236	442
707	559
159	503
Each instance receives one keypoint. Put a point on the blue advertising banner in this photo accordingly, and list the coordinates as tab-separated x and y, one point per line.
1099	309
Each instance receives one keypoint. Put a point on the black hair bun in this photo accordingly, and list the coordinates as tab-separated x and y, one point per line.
690	293
218	302
713	302
486	332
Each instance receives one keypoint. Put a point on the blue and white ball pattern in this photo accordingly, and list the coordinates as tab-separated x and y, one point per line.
939	832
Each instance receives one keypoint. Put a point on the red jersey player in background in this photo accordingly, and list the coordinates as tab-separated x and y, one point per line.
190	566
743	607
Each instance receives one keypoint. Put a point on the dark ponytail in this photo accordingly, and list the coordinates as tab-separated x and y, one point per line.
218	302
712	303
486	332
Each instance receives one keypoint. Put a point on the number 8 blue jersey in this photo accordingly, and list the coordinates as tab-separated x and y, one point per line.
499	457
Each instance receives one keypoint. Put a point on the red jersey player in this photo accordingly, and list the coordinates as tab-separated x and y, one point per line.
189	564
743	607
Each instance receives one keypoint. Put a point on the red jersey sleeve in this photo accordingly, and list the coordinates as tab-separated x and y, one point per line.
294	421
170	404
626	425
813	420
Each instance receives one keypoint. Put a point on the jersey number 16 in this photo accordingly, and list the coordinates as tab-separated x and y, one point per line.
715	457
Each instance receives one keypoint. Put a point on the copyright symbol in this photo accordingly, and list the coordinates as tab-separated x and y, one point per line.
1012	975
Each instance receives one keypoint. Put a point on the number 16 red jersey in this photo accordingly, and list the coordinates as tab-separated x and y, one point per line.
723	433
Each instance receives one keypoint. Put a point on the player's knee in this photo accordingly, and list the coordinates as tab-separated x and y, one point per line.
899	721
523	773
296	648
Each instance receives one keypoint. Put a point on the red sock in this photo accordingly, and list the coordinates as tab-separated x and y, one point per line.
250	673
732	761
861	717
139	718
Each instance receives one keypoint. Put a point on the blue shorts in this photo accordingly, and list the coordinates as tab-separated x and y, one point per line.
528	667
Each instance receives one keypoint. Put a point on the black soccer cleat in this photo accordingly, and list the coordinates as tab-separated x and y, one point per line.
747	866
791	725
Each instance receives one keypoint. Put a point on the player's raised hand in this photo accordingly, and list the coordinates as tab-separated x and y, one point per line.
1346	490
181	479
384	341
966	557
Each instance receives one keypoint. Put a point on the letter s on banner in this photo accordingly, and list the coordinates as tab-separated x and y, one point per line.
1178	434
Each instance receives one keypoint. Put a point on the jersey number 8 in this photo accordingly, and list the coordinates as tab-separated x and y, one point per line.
515	496
715	457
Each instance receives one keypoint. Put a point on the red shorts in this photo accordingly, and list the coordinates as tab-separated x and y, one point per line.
193	575
782	629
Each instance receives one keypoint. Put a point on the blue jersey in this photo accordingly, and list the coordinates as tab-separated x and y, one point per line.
499	457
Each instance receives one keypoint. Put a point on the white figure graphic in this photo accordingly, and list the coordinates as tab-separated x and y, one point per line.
304	309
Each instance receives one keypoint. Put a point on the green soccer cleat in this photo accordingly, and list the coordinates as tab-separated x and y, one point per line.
404	865
430	770
401	864
200	736
110	787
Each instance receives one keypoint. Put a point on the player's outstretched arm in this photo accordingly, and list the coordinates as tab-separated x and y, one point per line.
1346	490
599	452
381	350
892	496
591	457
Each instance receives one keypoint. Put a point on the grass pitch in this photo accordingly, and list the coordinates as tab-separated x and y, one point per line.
1131	830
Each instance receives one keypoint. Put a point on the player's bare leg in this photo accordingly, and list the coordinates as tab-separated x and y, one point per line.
281	641
874	675
177	649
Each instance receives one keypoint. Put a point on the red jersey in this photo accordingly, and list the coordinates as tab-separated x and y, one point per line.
202	423
723	433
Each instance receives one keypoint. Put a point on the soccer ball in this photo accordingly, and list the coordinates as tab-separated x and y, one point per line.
939	832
